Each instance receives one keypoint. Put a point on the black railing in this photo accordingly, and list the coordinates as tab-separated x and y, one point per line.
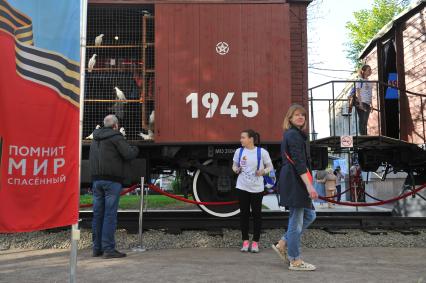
317	96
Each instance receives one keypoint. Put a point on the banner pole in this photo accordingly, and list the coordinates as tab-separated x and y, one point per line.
141	248
75	232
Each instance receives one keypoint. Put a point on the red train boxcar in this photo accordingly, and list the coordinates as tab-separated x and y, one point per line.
209	69
399	50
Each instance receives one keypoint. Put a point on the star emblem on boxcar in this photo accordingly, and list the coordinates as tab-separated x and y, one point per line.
222	48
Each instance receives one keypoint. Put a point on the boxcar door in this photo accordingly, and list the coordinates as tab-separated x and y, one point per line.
221	68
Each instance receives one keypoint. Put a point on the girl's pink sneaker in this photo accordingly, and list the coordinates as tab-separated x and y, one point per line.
254	247
245	247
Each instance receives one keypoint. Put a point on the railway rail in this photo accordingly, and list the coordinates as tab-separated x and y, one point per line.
175	221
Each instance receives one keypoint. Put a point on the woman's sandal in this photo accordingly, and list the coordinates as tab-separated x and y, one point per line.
303	266
282	253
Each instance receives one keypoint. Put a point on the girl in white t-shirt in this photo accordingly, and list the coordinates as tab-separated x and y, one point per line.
250	185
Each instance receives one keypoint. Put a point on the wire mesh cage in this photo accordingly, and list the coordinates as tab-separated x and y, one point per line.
120	70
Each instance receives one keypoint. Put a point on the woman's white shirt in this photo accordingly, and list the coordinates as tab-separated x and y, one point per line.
247	179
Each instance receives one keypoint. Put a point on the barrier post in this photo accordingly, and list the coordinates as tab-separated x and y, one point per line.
356	196
140	247
75	236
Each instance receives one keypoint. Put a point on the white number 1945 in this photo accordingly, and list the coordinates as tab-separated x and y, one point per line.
210	101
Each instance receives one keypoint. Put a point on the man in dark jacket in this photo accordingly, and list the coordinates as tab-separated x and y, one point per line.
108	154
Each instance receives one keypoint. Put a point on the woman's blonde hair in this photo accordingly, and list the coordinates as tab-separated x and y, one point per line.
287	119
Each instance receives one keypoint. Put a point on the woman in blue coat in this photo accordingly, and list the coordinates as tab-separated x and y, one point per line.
296	189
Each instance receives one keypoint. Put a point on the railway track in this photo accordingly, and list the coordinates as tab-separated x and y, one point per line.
176	221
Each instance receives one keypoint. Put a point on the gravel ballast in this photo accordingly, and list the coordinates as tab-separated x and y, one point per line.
157	239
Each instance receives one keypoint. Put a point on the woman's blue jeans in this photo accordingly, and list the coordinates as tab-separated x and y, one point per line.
299	220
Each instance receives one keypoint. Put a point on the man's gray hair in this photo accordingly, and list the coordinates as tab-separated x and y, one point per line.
110	121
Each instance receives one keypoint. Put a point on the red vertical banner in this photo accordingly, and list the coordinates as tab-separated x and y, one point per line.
39	108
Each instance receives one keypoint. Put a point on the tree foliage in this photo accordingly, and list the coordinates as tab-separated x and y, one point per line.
368	22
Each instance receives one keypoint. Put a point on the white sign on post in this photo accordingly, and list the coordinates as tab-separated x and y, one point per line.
346	141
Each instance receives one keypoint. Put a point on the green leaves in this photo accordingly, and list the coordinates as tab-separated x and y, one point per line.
368	22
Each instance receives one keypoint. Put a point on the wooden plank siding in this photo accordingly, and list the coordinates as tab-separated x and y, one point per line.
261	59
414	39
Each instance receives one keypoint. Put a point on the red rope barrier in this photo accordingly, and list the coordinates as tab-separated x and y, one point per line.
368	195
339	194
160	191
378	202
125	191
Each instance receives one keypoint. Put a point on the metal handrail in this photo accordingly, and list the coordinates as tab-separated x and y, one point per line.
370	81
380	109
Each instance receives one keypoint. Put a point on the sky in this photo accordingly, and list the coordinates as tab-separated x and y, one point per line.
54	29
327	36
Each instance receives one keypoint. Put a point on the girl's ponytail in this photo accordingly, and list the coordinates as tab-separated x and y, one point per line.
253	134
257	139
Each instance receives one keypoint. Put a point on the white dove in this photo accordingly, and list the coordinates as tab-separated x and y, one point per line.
152	117
98	40
90	137
123	131
92	63
149	136
119	93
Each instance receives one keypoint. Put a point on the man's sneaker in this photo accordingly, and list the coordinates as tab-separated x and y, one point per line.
254	247
96	253
303	266
246	245
114	254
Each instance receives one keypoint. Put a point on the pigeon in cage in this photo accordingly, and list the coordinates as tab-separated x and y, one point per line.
152	117
149	136
120	94
90	137
123	131
91	63
98	40
118	107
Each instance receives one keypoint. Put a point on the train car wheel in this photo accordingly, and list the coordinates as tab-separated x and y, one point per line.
204	192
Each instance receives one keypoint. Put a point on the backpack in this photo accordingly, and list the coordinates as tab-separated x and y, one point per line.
270	180
353	100
353	89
